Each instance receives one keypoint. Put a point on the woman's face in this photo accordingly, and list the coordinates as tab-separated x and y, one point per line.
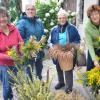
62	19
3	20
30	11
95	17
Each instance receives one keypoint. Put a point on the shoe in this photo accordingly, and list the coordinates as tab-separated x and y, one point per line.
68	91
59	85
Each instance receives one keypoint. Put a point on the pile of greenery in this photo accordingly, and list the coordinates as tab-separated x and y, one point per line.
30	89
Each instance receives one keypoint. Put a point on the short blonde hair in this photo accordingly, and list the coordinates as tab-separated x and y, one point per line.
62	11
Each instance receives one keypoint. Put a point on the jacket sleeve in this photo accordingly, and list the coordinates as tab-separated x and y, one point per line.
19	37
42	29
89	44
74	36
50	44
21	27
77	36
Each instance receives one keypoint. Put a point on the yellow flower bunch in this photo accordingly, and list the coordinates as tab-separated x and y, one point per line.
13	54
99	38
26	51
92	77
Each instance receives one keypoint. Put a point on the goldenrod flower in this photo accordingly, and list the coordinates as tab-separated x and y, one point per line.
99	38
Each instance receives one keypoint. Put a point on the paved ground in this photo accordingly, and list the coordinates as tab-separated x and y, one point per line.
52	74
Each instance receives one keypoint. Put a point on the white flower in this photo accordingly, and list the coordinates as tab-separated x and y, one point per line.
43	22
46	31
44	19
69	11
51	23
61	1
67	14
57	9
44	2
73	13
51	11
47	14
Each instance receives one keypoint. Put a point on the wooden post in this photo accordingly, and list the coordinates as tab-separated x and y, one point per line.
47	75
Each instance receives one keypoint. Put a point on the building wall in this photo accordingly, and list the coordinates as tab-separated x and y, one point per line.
70	5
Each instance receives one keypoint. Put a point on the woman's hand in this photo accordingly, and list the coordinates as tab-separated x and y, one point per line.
96	63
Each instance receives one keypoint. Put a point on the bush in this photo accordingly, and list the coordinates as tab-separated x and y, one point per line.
30	89
47	11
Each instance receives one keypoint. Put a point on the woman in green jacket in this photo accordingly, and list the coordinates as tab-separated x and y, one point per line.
92	34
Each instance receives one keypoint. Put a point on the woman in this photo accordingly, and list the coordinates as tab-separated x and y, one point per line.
92	33
64	34
30	25
9	37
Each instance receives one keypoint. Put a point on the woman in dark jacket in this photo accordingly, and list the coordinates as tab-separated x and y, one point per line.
29	25
64	34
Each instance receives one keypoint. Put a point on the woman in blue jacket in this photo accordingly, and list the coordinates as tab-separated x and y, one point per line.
64	34
30	25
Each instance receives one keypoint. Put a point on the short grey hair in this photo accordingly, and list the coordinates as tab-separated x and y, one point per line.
29	5
62	11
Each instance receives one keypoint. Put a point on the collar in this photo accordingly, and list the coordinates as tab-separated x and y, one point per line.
10	27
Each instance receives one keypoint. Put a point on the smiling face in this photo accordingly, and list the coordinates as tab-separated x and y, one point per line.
3	20
62	19
95	17
30	11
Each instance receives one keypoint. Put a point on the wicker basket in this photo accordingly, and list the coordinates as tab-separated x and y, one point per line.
65	58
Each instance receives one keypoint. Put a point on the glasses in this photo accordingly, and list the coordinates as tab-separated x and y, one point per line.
30	9
3	16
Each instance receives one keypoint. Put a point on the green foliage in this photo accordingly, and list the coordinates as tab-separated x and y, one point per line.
26	51
31	89
14	9
92	79
47	11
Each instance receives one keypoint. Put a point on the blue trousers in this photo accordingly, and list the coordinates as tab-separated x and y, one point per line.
6	81
90	64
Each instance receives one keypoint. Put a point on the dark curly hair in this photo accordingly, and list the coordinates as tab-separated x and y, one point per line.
92	8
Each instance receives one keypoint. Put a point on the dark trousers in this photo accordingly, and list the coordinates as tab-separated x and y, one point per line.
7	81
90	63
68	77
68	74
38	66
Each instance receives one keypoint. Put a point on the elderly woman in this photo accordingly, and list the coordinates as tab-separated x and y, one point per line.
9	37
92	33
65	35
30	25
